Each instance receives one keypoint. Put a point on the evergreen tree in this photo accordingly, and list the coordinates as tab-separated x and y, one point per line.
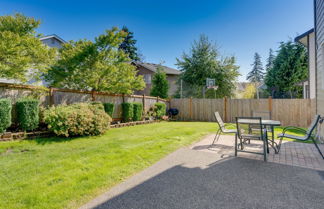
160	85
203	61
256	74
289	68
128	45
270	60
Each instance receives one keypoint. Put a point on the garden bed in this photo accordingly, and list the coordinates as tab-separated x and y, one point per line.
9	136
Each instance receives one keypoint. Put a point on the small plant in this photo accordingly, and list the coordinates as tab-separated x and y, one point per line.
79	119
138	110
160	109
98	105
109	108
5	114
127	111
27	114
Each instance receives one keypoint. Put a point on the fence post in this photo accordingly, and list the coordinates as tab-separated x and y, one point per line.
225	109
93	98
143	101
51	96
157	99
123	95
270	106
190	108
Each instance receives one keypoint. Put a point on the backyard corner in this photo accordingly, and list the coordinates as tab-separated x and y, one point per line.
67	172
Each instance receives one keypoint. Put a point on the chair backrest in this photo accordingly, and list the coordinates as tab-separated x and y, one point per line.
313	125
219	120
265	115
243	123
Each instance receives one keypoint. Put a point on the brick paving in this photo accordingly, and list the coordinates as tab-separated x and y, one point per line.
291	153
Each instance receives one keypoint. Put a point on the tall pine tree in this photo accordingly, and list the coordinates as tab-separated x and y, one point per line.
128	45
270	60
160	85
256	74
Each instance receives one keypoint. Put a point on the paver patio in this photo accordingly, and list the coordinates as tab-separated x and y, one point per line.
291	153
204	177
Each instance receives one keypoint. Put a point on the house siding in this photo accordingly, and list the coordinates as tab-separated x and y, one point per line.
319	33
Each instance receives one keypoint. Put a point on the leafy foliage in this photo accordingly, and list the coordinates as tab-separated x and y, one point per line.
27	114
127	111
204	61
250	91
256	74
160	109
109	108
289	68
77	119
98	65
5	114
128	45
138	110
21	49
160	85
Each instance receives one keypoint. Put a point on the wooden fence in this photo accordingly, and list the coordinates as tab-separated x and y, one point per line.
296	112
54	96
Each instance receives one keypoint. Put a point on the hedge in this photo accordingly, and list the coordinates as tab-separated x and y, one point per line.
78	119
5	114
127	111
138	110
109	108
27	114
160	109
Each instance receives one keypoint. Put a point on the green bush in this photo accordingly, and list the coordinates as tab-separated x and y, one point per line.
5	114
98	105
138	110
160	109
127	111
109	108
27	114
78	119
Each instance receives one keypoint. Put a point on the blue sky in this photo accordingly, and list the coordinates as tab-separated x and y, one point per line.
165	29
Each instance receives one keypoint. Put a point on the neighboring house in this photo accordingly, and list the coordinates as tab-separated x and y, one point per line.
309	85
240	89
319	34
51	41
149	69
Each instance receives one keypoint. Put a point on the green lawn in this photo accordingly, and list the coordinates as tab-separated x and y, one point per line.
61	173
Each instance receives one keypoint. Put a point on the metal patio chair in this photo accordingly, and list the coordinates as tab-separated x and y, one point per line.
308	134
265	115
222	128
244	137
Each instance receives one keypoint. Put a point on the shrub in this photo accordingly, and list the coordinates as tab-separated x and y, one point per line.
138	110
109	108
160	109
98	105
5	114
127	111
27	114
78	119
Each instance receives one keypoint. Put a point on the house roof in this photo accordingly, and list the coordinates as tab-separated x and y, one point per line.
303	37
53	36
153	67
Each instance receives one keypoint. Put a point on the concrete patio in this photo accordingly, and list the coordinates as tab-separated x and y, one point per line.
201	176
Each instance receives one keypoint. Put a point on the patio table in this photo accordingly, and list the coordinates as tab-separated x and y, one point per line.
266	123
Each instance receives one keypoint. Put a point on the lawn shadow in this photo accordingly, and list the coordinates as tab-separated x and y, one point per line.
54	139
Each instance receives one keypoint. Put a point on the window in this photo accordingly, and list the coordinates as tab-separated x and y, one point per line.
147	78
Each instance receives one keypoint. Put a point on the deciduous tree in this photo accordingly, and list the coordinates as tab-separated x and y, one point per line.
22	55
98	65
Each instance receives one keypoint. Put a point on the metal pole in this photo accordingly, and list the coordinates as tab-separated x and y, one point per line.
181	89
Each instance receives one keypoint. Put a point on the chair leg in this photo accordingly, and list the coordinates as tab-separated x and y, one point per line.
216	137
317	147
235	145
264	150
279	145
